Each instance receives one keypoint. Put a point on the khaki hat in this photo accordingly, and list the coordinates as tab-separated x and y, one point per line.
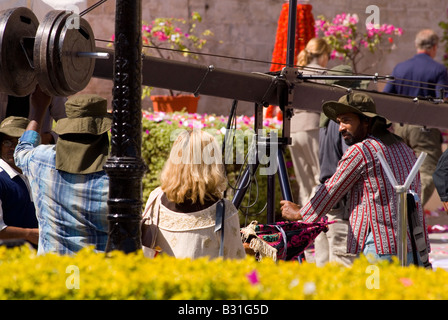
86	113
14	126
357	102
83	143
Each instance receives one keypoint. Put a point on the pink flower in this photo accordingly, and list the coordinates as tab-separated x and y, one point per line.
334	54
253	277
406	282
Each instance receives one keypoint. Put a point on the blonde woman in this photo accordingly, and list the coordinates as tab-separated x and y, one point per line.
180	215
305	125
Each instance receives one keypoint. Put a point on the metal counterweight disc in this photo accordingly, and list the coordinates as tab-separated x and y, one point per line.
75	72
53	63
18	27
42	52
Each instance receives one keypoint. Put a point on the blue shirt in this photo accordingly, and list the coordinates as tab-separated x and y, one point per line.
331	148
429	77
71	208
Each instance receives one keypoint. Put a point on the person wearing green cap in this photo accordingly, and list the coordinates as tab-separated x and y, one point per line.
20	106
18	220
67	179
371	198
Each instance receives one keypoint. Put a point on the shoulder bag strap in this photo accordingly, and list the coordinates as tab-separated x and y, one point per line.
219	223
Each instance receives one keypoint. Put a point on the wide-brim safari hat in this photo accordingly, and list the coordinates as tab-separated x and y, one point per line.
345	70
82	154
83	143
86	114
14	126
355	102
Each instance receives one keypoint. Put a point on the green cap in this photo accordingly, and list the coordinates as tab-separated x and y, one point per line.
86	113
14	126
357	102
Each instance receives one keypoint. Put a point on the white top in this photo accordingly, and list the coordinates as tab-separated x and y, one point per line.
192	235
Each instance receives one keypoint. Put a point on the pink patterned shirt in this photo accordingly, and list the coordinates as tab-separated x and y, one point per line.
371	198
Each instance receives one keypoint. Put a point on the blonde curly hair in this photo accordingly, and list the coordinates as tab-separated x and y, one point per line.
315	48
194	170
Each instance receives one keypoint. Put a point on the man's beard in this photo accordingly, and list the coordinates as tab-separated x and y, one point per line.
349	139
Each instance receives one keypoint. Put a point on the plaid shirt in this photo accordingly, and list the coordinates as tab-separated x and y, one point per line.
71	208
371	199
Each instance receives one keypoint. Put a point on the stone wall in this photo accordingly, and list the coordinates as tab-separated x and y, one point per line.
246	29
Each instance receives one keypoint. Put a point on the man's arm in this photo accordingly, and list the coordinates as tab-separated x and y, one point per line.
31	137
327	195
390	85
29	234
9	232
40	102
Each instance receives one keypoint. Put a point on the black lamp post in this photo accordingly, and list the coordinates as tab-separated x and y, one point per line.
125	166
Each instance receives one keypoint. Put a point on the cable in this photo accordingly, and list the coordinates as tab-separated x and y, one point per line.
92	7
321	70
99	3
268	62
202	54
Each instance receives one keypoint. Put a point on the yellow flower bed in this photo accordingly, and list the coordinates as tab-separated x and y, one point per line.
90	275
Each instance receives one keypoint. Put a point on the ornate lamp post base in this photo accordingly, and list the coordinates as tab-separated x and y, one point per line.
125	167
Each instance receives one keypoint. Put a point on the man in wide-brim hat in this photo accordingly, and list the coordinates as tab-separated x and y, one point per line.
330	246
371	198
67	179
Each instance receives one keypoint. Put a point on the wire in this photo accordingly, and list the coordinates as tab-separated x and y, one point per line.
203	54
92	7
315	69
99	3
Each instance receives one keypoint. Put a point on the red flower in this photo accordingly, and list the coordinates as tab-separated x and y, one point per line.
304	32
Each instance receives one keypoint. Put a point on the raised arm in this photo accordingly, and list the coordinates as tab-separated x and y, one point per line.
40	102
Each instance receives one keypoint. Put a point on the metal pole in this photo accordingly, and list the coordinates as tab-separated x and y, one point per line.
125	166
291	40
402	203
402	248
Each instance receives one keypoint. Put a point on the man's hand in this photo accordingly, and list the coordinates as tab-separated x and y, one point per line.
290	210
32	235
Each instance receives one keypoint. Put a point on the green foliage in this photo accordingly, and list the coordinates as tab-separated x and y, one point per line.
444	26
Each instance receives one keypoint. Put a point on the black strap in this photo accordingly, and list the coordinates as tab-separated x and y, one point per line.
418	242
219	223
